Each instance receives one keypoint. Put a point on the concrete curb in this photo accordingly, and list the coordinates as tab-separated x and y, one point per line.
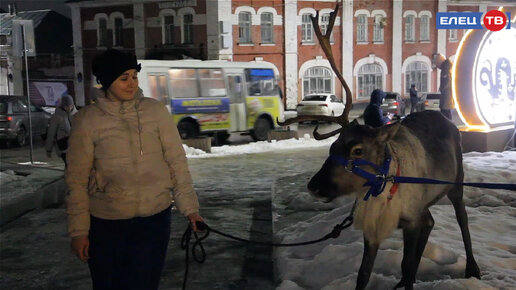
50	194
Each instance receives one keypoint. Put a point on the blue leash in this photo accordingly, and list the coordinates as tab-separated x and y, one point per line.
377	182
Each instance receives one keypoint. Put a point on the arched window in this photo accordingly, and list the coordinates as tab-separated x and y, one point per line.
378	28
188	29
306	28
266	26
424	29
118	31
370	77
102	34
362	28
318	79
244	27
417	73
409	28
168	29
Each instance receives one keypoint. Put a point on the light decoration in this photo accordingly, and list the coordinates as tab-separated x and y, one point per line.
484	78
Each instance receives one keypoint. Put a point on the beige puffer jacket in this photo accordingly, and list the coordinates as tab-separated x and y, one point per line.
123	160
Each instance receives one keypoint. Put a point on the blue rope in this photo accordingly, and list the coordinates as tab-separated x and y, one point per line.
377	182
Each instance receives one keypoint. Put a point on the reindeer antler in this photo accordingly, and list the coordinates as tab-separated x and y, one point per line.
324	41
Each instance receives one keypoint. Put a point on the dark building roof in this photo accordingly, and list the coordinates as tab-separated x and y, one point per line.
6	19
52	31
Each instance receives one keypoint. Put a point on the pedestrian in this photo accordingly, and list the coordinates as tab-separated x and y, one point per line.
446	101
126	164
413	98
373	114
59	127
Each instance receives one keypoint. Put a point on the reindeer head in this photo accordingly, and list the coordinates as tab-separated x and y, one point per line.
355	142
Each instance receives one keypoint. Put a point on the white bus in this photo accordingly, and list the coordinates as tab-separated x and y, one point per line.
215	98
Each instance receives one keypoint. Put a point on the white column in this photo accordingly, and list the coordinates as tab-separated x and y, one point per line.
291	65
78	55
221	30
347	43
397	45
139	30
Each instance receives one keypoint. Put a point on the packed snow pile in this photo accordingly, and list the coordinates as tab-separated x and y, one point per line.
333	264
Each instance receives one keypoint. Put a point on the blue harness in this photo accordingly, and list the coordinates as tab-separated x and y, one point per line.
377	182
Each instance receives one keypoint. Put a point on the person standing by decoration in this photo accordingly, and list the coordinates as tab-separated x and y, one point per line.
59	127
446	101
125	158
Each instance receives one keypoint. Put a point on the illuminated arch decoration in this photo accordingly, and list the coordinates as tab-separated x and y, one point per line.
484	78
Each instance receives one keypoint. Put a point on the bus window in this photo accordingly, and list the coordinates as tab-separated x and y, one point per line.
261	82
158	88
183	83
212	83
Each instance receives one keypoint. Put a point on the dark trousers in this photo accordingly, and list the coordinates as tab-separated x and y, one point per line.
446	113
128	254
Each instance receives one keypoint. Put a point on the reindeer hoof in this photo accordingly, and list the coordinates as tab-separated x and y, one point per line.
473	271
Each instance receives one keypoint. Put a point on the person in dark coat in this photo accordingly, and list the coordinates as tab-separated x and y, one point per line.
413	98
446	101
373	114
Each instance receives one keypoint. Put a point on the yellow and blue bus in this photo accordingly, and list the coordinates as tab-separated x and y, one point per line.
216	98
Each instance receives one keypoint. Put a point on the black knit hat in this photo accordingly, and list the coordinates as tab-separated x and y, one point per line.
108	66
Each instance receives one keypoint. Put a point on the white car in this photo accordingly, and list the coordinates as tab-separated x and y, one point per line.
320	104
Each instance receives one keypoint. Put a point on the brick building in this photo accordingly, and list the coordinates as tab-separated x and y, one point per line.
376	44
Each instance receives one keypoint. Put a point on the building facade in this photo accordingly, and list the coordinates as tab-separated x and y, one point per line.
376	44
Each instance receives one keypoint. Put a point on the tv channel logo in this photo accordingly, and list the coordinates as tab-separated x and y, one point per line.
493	20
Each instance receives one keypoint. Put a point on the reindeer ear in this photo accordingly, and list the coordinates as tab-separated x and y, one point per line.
386	133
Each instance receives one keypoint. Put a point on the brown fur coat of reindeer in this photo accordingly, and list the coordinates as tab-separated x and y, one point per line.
423	145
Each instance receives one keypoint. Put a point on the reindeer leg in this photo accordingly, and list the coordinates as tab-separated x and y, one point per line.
370	251
427	224
411	236
455	196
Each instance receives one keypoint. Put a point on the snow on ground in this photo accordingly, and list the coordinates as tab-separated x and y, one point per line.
259	147
334	264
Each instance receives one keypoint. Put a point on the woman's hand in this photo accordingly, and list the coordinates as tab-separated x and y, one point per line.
80	247
195	217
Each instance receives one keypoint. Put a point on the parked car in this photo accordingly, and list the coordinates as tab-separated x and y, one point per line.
431	101
14	119
320	104
394	103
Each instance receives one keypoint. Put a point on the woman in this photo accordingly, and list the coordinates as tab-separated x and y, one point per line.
125	157
59	127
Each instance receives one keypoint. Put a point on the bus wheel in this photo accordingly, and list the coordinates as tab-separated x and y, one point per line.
187	129
261	129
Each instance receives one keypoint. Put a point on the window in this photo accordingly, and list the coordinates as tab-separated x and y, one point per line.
370	77
417	73
424	29
378	29
325	21
267	27
212	83
188	29
306	28
102	35
362	28
244	27
183	83
453	35
159	89
168	28
118	32
409	28
318	80
261	82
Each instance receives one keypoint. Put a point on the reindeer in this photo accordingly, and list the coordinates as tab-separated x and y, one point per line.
424	144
